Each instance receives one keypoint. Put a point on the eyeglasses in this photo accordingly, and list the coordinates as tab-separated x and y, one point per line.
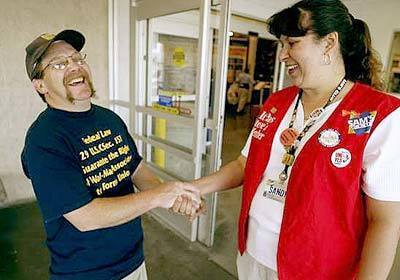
61	62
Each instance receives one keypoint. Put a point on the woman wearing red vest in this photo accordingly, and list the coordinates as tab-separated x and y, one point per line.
320	168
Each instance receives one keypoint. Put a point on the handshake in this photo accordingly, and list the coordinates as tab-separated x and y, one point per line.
181	198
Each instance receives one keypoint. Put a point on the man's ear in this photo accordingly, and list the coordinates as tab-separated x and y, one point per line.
330	42
39	86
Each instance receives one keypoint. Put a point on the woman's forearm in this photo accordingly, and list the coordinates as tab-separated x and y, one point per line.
229	176
379	251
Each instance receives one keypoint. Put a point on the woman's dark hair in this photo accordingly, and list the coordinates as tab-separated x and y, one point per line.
362	63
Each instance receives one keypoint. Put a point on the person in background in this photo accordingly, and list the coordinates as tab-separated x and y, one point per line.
320	169
245	83
232	96
84	165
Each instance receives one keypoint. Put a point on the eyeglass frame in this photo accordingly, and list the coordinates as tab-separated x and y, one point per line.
80	61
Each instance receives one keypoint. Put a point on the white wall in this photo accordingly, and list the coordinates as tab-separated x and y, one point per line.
382	17
383	20
20	22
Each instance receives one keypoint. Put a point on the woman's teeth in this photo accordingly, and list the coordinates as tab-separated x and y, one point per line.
292	68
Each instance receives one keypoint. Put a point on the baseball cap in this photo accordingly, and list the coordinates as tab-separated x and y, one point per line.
38	47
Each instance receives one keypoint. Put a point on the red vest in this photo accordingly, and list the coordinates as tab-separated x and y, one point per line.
324	219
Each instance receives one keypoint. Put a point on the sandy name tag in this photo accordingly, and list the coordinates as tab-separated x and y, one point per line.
275	190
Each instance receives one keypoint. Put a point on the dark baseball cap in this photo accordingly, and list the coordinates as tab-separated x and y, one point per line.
38	47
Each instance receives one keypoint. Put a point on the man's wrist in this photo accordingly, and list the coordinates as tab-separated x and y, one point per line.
154	197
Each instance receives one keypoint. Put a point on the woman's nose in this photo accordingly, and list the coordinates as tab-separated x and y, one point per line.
283	54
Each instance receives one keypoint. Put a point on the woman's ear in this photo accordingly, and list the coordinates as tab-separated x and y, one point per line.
39	86
330	42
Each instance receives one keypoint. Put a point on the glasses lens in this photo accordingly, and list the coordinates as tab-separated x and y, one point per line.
59	63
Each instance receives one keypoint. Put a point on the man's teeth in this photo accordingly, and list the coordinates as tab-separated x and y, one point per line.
76	81
291	67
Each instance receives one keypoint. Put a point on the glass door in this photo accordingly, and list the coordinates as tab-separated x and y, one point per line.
168	113
172	76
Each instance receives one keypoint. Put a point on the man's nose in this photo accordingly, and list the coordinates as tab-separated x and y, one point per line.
72	64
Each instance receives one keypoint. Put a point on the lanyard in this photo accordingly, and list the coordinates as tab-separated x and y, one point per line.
289	156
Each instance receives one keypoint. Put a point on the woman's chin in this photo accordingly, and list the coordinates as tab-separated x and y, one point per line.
295	81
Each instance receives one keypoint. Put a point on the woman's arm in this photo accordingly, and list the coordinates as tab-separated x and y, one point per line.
381	240
228	177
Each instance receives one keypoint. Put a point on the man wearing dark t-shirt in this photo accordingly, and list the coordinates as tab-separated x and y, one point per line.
83	162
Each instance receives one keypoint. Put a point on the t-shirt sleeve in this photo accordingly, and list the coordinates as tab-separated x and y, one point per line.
136	158
381	162
246	148
56	178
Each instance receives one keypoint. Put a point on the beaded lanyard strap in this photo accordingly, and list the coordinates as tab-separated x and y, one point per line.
290	138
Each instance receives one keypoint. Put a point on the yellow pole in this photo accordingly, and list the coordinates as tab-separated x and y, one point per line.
161	132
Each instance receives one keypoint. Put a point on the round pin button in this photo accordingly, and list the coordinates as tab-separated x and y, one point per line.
341	158
329	138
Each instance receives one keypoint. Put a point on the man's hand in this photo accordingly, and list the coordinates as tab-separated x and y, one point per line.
185	205
169	192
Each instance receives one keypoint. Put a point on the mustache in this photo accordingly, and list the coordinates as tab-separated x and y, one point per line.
76	74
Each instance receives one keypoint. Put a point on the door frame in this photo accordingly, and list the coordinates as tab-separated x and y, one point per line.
126	23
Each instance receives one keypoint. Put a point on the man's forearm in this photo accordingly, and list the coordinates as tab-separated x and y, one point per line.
108	212
144	178
378	252
113	211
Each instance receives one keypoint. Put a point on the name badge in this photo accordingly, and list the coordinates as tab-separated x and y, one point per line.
275	190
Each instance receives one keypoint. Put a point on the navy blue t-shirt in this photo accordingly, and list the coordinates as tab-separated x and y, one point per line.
72	158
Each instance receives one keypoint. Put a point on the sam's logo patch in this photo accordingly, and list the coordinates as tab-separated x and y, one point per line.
360	123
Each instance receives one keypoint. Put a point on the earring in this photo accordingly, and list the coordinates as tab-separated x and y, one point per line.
327	59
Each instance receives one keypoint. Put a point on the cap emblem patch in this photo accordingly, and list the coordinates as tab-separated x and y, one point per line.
48	36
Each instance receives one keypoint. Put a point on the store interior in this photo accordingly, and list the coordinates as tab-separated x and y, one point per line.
169	255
